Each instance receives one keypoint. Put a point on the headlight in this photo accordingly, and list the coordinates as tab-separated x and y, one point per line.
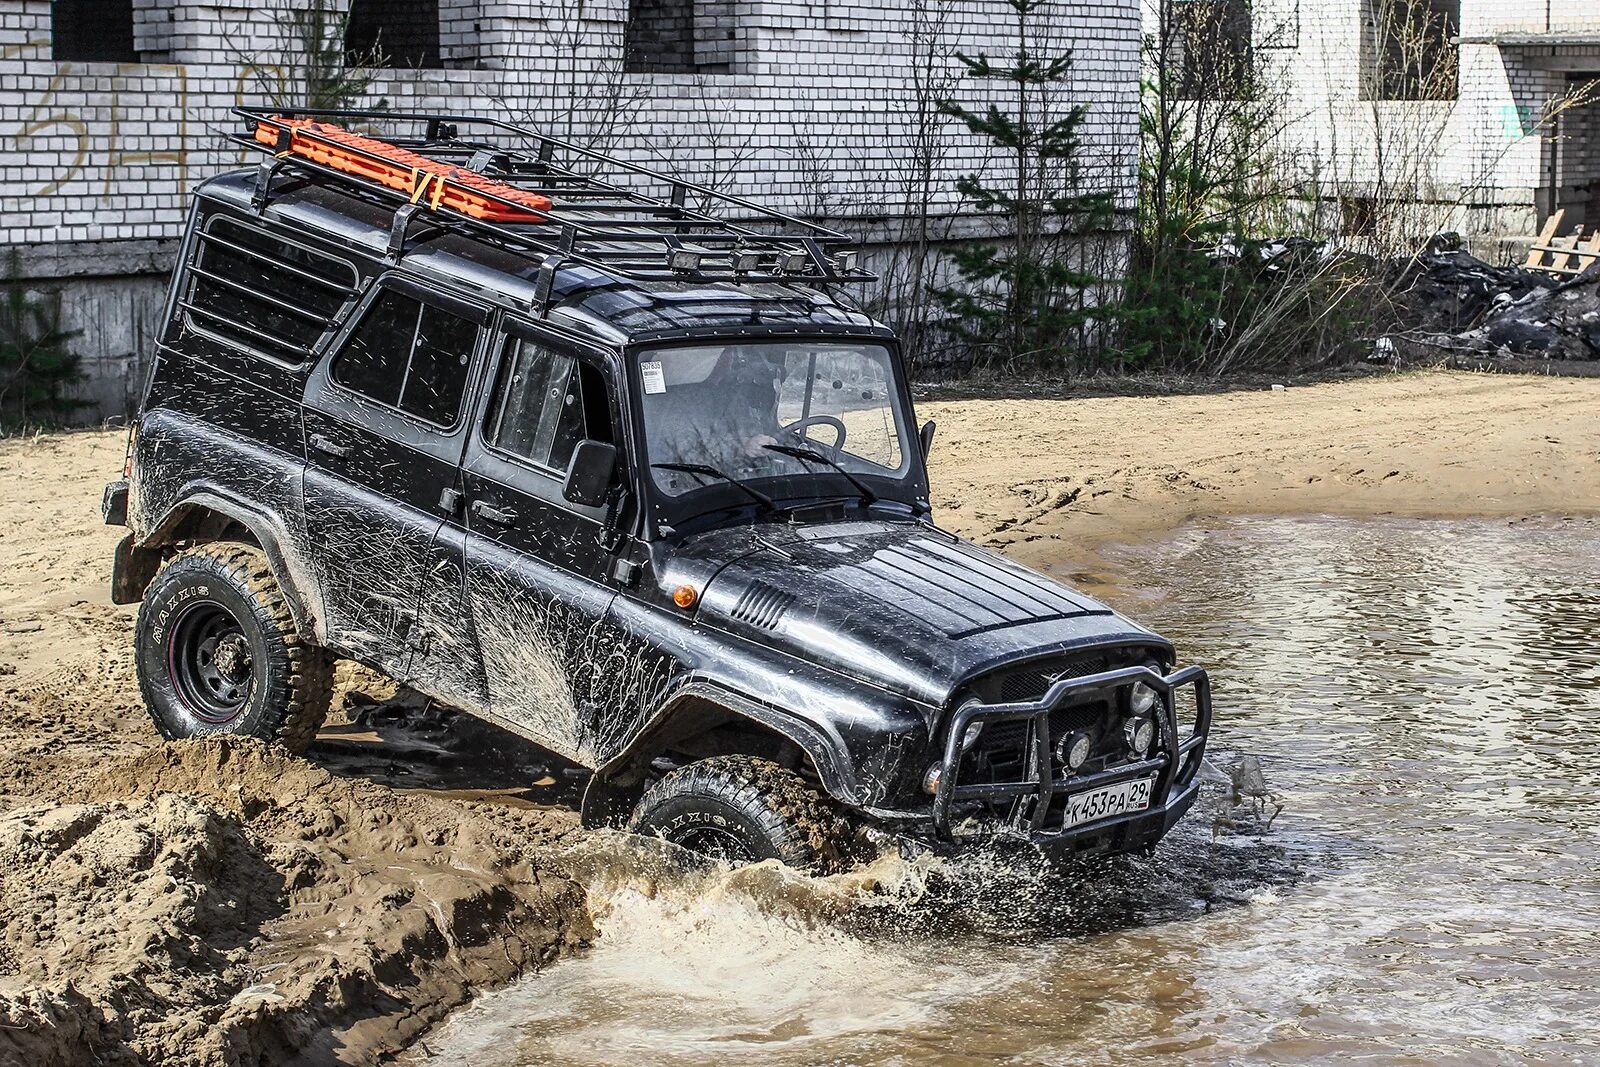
970	738
1142	696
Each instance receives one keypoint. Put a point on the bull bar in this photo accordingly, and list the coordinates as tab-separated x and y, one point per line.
1175	761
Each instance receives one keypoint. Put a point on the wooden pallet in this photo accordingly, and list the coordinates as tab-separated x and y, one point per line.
1569	255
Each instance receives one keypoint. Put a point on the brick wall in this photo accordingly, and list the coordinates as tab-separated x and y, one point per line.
97	151
1482	157
802	105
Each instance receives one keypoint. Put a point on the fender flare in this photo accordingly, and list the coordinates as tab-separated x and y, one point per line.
601	796
262	526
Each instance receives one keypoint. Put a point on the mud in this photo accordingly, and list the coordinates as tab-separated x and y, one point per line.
217	903
224	903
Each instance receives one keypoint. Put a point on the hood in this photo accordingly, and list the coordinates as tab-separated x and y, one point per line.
900	605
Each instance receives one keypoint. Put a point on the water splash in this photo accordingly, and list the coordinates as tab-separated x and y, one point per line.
701	963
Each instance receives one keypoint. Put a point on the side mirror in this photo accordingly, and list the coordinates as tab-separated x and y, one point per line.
927	437
589	473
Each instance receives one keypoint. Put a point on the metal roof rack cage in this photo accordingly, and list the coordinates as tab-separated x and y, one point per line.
534	194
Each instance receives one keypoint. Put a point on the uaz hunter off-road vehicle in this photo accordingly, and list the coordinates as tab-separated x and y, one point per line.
622	476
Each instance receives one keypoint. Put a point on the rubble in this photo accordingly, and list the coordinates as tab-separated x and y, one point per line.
1454	307
1450	291
1560	322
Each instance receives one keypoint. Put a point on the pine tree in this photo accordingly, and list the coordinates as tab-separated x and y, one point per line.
1021	299
37	363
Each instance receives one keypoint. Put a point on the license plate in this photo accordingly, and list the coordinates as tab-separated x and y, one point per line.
1107	801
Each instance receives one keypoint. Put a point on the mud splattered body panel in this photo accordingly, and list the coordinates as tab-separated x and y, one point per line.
408	459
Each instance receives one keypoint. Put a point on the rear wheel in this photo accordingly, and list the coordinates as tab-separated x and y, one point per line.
218	651
741	810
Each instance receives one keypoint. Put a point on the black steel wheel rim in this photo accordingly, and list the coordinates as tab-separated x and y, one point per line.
717	844
209	660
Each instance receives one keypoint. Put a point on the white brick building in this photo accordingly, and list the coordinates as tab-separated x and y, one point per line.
109	110
1466	136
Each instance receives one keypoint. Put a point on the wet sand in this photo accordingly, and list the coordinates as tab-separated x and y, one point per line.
89	938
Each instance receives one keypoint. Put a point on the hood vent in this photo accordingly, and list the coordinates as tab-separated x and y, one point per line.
763	606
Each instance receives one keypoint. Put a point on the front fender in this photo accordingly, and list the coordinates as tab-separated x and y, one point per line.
866	746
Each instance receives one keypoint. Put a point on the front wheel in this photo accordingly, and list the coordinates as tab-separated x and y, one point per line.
741	810
218	652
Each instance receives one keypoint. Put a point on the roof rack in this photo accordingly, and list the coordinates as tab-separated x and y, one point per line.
523	190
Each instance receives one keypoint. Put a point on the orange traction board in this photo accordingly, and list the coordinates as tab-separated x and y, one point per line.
426	180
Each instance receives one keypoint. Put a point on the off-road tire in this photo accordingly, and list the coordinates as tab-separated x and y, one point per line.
289	684
769	812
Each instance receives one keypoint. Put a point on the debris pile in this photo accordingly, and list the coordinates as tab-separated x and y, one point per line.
1559	323
1454	306
1451	291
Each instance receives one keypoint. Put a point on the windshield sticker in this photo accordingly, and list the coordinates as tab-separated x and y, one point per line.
654	380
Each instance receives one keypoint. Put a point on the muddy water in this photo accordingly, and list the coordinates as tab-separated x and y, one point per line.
1425	699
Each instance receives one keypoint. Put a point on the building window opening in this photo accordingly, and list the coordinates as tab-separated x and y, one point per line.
1408	49
680	37
92	31
1209	50
392	33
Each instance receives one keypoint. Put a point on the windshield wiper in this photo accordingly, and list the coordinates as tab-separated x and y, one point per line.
813	456
705	470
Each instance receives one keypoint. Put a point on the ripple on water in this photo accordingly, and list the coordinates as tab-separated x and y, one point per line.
1426	698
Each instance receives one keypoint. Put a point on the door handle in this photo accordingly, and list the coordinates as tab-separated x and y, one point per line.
328	445
490	513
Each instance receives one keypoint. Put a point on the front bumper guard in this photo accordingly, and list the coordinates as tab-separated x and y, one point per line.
1175	762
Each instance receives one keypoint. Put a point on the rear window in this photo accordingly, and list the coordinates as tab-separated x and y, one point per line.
409	355
265	294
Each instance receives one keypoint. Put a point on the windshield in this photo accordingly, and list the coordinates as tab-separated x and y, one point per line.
770	410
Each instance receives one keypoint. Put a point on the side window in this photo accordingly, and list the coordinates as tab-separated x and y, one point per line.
408	355
264	294
544	404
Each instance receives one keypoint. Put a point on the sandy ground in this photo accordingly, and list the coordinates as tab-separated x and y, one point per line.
1050	482
221	904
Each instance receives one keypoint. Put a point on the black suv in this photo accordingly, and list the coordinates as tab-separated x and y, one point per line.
620	476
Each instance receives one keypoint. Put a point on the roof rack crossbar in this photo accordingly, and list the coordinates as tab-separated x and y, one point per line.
624	261
592	221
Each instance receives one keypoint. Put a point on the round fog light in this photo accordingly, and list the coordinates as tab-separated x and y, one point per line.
1141	734
1074	750
930	781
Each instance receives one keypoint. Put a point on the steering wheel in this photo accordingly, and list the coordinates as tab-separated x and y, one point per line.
797	431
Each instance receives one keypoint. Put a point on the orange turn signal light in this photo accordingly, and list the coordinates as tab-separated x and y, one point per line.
685	596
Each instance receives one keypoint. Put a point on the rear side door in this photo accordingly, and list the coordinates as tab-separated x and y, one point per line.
537	565
385	432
